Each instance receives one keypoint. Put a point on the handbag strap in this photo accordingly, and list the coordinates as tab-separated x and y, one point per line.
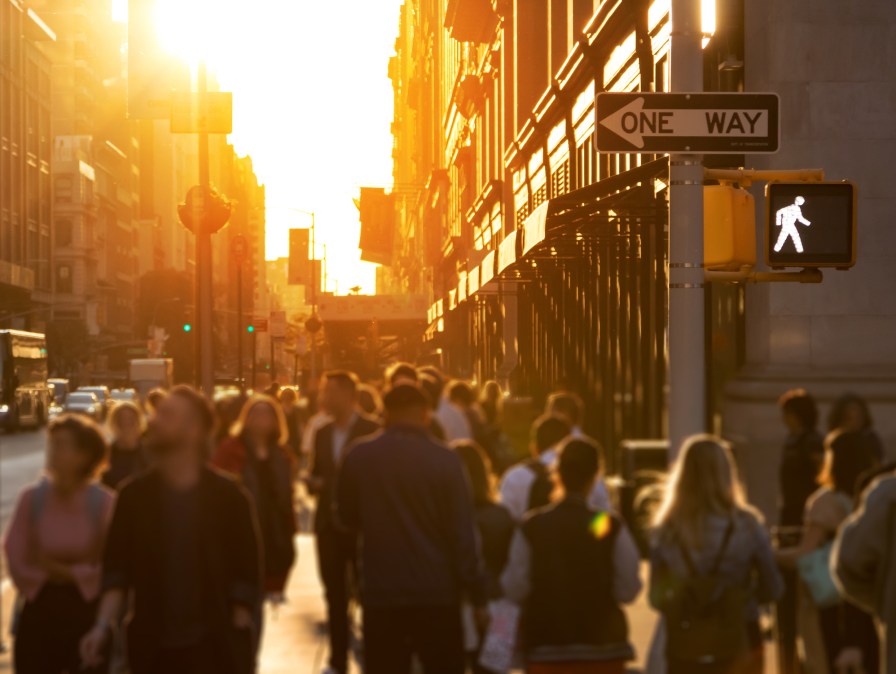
720	555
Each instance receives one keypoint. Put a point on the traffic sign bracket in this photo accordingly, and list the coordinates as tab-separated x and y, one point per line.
748	275
746	177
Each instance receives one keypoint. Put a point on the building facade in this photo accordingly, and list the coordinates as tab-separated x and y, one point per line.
546	261
26	206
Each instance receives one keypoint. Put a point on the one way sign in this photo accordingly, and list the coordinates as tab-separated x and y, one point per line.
716	123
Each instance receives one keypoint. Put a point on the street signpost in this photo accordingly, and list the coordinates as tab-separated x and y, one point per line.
713	123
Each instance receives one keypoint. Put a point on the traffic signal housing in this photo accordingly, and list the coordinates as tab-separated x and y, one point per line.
729	228
810	224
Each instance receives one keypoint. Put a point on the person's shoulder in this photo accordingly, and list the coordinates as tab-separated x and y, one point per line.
882	490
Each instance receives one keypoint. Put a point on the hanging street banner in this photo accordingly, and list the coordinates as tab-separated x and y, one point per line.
713	123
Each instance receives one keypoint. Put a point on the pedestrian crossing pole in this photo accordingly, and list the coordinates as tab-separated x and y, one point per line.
687	335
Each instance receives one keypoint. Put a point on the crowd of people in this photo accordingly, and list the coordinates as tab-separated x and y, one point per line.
151	546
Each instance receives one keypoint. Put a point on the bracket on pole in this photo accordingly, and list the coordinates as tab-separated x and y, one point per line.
748	275
746	177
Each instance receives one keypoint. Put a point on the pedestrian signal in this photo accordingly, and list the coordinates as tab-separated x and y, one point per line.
810	225
187	327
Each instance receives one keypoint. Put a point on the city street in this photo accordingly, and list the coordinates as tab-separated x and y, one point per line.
21	460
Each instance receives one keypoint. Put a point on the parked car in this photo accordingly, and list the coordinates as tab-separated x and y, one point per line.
103	395
124	394
86	403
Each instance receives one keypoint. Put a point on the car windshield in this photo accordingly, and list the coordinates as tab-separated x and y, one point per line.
82	398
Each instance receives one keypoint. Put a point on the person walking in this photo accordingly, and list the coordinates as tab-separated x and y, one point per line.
711	566
572	568
336	554
801	461
451	418
289	402
863	560
850	412
529	485
127	456
185	541
407	497
835	635
256	453
494	524
54	550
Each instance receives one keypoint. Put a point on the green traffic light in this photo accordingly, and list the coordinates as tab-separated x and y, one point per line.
187	327
250	328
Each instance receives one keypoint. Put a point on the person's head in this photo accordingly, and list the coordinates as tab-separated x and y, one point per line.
479	470
461	394
262	421
848	455
850	412
703	482
370	401
77	450
401	373
406	405
566	405
548	432
799	411
432	388
127	423
491	393
288	397
339	394
183	423
578	465
153	399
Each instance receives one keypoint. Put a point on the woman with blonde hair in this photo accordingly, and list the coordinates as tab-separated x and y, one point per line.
127	458
712	565
256	452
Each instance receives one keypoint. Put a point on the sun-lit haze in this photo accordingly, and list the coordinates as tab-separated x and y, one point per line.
312	106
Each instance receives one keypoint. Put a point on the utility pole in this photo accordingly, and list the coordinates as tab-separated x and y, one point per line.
204	297
238	246
313	307
687	335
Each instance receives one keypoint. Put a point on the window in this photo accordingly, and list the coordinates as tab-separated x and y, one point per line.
63	232
64	279
63	190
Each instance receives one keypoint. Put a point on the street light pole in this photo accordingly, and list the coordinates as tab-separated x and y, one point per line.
313	306
204	298
687	311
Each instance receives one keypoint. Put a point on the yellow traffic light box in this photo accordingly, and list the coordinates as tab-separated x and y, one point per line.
729	228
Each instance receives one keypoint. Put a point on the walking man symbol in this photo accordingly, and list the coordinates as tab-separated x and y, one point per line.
786	218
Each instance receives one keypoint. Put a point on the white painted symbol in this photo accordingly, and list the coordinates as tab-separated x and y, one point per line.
786	218
633	123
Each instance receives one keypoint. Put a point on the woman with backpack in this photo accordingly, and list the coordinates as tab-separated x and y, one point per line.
54	549
256	452
712	566
837	636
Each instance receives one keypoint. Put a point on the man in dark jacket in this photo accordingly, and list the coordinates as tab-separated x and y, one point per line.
184	539
335	547
408	497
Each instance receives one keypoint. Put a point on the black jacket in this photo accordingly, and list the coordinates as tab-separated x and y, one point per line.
230	561
571	603
407	496
800	464
324	466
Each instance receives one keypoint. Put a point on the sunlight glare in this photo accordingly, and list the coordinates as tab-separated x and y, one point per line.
708	20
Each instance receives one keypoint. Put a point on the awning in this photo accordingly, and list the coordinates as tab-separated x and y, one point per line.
556	228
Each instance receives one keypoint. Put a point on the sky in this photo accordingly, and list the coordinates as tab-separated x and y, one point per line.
312	106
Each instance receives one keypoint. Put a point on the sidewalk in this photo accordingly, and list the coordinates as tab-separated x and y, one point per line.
295	640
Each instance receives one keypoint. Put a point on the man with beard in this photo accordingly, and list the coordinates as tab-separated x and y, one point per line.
184	540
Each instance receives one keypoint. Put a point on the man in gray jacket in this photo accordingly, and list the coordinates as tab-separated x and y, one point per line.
864	560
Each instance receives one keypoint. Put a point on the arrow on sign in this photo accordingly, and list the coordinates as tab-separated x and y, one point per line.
633	123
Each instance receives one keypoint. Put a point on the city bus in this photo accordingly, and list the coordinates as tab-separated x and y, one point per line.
24	393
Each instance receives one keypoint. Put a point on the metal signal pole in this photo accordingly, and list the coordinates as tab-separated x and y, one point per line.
687	336
204	298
